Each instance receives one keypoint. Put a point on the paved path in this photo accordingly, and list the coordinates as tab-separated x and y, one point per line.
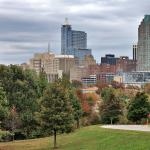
128	127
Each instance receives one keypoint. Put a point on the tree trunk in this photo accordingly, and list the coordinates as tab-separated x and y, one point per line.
55	143
111	121
78	123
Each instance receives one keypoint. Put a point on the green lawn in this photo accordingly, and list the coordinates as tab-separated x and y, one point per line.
88	138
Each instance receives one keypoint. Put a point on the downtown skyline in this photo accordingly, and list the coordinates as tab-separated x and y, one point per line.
27	27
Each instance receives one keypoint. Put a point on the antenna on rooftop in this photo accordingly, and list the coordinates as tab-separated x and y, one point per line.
49	47
66	21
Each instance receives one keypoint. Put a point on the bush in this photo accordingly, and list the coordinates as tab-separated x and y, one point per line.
143	121
18	135
123	120
5	136
94	119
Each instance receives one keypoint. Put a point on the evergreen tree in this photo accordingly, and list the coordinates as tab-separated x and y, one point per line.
138	108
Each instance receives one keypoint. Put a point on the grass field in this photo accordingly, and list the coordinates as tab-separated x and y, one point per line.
88	138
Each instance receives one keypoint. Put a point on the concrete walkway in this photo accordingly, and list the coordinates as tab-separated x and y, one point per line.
128	127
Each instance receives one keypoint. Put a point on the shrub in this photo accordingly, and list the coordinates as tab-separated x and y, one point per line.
5	136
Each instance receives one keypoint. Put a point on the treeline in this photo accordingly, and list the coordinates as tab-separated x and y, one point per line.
20	100
117	107
30	107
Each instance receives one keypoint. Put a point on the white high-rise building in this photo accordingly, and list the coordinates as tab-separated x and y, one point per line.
143	49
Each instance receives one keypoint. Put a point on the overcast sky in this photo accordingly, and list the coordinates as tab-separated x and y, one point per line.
26	26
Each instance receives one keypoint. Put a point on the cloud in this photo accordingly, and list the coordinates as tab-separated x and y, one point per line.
27	26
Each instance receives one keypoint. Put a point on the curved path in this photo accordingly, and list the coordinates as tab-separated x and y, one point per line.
128	127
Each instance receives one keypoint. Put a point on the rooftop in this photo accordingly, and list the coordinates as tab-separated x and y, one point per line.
64	56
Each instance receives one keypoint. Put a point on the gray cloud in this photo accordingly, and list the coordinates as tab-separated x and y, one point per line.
27	26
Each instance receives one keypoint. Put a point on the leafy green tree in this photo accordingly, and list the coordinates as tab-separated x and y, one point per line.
3	104
29	123
42	82
76	84
22	91
106	93
110	108
138	108
56	111
77	110
68	86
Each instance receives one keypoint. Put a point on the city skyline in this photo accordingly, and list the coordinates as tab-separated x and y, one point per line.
27	27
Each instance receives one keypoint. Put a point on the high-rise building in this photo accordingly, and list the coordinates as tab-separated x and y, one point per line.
143	51
73	42
135	52
53	65
46	62
109	59
66	62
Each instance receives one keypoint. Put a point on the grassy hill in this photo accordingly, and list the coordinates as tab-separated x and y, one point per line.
88	138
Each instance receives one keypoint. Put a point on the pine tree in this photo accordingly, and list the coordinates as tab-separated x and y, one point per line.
138	108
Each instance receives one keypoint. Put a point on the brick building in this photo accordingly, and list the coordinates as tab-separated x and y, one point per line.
124	64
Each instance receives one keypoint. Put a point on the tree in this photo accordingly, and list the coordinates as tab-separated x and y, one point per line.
56	111
3	105
138	108
106	93
77	111
42	82
110	108
76	105
22	91
147	88
76	84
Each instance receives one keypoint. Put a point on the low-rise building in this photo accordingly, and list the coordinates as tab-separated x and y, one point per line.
89	90
105	77
118	78
136	78
91	80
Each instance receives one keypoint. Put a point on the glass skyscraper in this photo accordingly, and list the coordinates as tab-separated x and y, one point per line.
143	49
73	42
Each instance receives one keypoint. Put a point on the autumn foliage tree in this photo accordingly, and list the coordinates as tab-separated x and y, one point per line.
88	102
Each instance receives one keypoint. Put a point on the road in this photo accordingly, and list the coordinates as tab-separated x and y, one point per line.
128	127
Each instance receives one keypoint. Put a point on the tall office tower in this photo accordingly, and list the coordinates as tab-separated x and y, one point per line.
135	52
66	37
73	42
143	51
